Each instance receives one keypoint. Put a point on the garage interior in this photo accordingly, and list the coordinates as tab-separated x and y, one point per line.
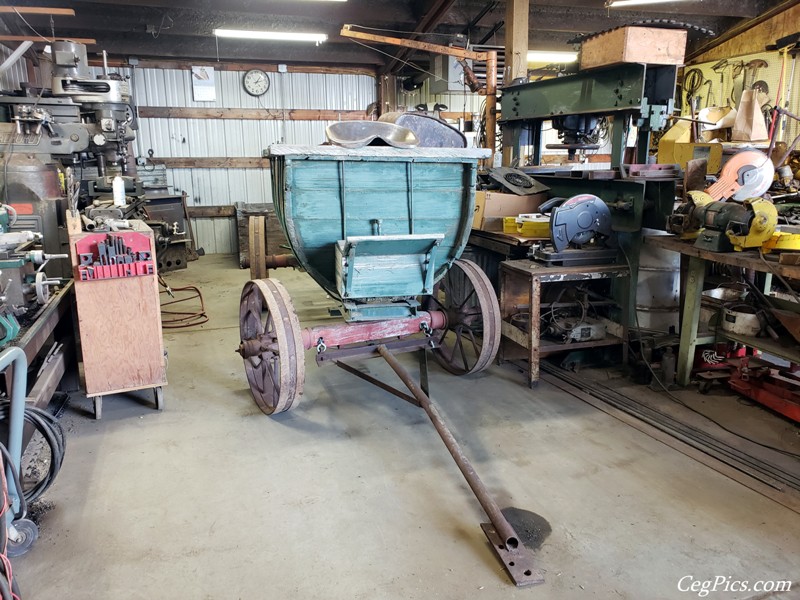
412	299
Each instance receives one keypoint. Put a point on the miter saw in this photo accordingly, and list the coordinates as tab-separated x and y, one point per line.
724	226
747	174
580	232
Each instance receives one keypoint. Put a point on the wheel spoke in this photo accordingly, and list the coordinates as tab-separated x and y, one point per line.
470	295
463	352
474	343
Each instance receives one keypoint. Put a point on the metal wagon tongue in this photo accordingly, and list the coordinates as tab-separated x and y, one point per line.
357	134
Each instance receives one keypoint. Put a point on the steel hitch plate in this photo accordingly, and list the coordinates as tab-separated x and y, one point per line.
519	562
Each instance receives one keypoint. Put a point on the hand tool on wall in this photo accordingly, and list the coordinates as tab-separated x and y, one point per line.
719	68
789	88
779	94
737	82
710	98
692	81
753	67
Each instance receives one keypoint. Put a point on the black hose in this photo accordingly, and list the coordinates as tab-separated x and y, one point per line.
50	429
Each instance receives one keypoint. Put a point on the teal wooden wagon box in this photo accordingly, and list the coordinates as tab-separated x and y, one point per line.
376	227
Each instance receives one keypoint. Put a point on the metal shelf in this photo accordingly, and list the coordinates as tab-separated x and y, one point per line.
767	344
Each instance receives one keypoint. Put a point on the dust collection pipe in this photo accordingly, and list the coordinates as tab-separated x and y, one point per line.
501	525
16	420
354	333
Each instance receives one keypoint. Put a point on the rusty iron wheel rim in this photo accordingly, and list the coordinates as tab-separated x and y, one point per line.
277	372
471	340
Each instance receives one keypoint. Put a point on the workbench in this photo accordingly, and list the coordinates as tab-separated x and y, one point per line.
521	284
49	335
488	249
698	259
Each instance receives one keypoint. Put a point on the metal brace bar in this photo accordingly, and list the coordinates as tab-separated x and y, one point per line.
410	188
342	198
377	382
351	262
430	267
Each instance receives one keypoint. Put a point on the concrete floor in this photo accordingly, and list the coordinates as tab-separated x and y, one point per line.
352	494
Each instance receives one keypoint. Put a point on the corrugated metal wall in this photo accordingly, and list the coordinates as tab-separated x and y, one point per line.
198	138
18	72
455	101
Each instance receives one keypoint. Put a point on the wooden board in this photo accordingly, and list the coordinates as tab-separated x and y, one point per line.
33	10
211	162
35	38
750	37
254	114
186	65
635	44
212	212
119	322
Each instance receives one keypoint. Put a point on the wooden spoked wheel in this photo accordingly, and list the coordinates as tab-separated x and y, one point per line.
272	345
471	340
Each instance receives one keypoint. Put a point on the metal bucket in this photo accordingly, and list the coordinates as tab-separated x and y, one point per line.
741	319
712	301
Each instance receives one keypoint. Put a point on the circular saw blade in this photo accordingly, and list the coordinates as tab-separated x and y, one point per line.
516	181
754	173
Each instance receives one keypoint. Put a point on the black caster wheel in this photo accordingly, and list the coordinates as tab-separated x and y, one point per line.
27	532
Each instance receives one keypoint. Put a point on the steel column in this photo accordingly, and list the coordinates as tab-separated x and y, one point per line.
691	317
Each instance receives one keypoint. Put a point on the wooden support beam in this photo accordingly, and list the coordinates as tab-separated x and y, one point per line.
213	162
36	38
186	65
751	36
436	13
250	114
212	212
516	56
33	10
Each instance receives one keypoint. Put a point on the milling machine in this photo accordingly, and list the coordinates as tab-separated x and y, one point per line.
81	122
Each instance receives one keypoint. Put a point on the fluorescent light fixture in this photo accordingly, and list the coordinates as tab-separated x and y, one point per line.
624	3
545	56
278	36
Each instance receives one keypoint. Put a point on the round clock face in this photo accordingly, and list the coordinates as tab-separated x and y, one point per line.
256	82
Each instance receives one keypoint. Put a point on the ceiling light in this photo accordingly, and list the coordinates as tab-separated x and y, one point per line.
545	56
624	3
279	36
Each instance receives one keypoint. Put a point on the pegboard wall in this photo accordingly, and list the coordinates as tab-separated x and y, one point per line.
719	93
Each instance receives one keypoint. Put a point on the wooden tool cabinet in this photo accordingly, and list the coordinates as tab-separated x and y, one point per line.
119	322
